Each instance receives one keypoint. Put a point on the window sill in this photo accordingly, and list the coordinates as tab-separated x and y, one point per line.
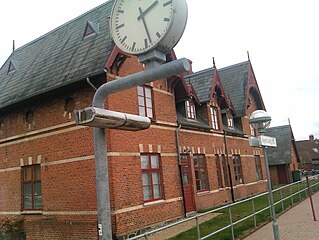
154	202
32	212
203	193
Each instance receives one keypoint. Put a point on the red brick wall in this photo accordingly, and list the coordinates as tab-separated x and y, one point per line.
68	169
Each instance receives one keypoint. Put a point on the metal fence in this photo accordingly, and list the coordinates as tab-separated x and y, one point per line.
284	197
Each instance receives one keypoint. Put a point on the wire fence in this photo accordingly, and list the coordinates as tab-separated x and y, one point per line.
257	211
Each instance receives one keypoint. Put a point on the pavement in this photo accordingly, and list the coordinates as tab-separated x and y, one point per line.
296	223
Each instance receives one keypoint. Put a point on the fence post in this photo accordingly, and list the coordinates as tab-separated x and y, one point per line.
253	205
310	197
231	222
282	202
291	196
198	230
299	192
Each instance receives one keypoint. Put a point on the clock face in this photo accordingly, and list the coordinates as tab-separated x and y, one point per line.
139	25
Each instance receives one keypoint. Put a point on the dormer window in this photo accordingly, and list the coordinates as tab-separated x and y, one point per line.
12	66
252	131
91	29
190	110
230	120
214	117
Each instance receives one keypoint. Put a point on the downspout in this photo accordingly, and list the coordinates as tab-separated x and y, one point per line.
180	166
90	84
229	170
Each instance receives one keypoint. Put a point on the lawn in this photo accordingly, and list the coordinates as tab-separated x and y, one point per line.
241	210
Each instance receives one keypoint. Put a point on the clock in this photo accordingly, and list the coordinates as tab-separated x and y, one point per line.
139	26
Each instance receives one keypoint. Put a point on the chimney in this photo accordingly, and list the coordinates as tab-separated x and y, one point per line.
311	137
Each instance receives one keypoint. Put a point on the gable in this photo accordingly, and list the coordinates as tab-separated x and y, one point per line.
58	58
282	153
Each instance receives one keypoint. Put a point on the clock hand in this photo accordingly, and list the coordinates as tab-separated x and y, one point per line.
145	26
142	14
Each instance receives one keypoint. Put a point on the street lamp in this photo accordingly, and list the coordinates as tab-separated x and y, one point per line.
260	120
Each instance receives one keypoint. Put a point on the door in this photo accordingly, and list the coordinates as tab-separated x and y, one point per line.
187	184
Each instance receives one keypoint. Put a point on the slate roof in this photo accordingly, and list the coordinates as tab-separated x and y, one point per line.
282	153
234	81
308	150
58	58
202	82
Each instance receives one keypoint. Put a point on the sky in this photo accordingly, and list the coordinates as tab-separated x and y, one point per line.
281	36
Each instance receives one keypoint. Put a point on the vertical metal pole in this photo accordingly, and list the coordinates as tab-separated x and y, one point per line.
100	147
271	200
253	205
291	196
310	197
282	202
102	185
231	222
299	192
197	227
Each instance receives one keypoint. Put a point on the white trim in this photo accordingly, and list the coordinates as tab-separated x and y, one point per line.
10	169
76	159
69	212
134	208
10	213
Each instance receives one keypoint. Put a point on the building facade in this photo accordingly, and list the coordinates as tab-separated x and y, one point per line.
194	156
283	159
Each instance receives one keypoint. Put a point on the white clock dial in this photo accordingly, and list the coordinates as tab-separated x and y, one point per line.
139	25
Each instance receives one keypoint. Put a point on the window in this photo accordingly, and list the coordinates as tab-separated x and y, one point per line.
214	117
31	181
219	172
230	121
151	177
200	172
252	131
190	110
258	168
237	169
225	171
145	104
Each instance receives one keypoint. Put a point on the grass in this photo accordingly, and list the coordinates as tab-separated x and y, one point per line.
242	210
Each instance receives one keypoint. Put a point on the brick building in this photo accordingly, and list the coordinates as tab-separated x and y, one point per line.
309	153
47	170
284	158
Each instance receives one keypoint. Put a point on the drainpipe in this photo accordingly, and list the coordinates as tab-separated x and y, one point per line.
100	144
180	166
229	170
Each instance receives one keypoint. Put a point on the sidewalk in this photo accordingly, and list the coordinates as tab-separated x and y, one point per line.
297	223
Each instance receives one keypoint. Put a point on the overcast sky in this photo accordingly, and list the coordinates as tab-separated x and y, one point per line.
281	36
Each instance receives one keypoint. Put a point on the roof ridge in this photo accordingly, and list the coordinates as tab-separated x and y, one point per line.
61	26
231	66
200	72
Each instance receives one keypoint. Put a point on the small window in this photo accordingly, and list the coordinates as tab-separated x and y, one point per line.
237	169
145	101
31	183
219	171
230	120
91	29
252	131
151	177
214	118
225	171
29	116
200	172
69	105
259	175
190	110
12	67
